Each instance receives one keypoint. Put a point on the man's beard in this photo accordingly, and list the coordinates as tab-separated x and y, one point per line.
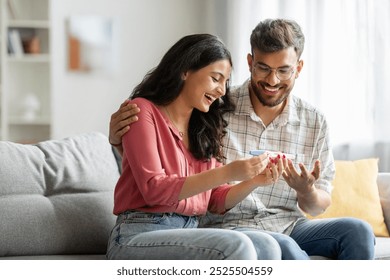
264	101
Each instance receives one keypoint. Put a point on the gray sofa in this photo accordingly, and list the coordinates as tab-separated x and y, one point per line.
56	199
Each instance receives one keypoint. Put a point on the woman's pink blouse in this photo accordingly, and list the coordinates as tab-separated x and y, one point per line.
155	165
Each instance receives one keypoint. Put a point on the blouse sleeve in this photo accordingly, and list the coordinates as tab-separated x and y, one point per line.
218	197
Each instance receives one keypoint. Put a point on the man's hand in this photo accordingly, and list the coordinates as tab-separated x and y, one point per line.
310	199
120	122
304	181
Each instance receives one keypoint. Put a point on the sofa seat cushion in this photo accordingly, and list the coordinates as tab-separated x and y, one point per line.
382	248
56	197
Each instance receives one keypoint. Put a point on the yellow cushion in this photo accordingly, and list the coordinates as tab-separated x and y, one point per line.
356	194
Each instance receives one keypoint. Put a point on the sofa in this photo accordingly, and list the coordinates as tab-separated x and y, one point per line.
382	247
56	199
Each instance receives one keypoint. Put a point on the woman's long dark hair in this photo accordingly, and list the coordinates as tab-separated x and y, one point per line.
163	84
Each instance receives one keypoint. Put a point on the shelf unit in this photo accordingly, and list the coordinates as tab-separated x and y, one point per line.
25	95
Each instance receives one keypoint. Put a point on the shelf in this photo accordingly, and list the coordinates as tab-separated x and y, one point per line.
28	24
22	121
29	58
25	66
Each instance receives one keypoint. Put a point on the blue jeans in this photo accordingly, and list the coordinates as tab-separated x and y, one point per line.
139	235
290	249
338	238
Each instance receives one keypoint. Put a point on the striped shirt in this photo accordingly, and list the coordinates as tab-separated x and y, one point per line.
300	130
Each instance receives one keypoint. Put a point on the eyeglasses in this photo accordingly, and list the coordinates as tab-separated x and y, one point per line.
282	73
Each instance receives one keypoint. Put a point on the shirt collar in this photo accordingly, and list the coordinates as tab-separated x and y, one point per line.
244	106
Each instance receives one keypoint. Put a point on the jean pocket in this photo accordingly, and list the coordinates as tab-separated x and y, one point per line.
143	218
133	223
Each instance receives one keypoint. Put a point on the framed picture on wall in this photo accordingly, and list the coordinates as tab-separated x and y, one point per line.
90	44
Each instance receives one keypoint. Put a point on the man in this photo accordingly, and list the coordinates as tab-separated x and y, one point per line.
268	117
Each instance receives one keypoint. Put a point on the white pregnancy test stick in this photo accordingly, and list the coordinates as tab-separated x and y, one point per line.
271	153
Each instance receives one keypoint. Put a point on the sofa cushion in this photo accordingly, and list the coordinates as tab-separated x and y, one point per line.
56	197
382	248
356	194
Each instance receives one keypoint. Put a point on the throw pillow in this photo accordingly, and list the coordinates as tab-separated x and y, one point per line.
356	194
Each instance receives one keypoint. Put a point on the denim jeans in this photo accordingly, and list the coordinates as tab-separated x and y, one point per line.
139	235
338	238
289	248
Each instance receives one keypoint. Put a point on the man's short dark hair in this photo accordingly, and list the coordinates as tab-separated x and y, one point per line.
272	35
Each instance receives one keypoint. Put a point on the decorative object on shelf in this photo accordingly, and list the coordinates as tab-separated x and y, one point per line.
15	46
30	106
31	45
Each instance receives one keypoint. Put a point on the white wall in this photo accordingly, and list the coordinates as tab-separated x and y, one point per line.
144	30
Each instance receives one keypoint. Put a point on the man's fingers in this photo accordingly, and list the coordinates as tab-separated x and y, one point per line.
130	115
304	172
125	116
124	103
291	169
316	170
122	131
128	109
124	107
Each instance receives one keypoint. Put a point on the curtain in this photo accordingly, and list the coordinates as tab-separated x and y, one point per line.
347	58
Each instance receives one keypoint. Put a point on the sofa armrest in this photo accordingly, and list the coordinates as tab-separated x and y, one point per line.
383	181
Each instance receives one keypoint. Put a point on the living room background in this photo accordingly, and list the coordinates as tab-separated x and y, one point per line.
346	57
142	31
346	69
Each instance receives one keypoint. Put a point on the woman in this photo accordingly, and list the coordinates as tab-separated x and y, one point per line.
172	171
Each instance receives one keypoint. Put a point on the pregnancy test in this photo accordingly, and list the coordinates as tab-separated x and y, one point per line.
271	153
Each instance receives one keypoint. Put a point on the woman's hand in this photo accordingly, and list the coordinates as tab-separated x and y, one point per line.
275	169
270	171
244	169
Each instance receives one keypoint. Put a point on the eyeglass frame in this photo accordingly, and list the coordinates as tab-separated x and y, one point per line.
270	69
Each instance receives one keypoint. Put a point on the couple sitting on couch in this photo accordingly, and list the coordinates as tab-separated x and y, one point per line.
172	173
